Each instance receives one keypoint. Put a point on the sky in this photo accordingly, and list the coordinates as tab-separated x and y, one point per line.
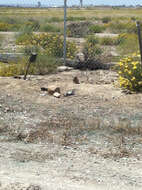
70	2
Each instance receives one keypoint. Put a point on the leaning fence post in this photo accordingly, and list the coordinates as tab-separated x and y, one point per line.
139	38
65	30
32	59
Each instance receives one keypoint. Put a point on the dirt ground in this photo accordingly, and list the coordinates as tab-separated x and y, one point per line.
91	140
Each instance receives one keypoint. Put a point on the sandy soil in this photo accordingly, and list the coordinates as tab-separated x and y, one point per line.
91	140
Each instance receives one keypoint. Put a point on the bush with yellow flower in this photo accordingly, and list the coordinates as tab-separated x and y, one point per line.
51	43
130	72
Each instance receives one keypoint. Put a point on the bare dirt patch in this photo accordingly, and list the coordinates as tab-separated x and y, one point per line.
91	140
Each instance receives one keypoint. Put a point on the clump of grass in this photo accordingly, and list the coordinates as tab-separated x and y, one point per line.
33	24
121	38
23	37
106	19
71	18
78	29
97	28
134	18
92	39
92	52
108	41
95	18
12	69
54	19
122	27
43	65
127	43
50	28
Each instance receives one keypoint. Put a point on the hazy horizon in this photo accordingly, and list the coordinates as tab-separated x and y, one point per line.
70	2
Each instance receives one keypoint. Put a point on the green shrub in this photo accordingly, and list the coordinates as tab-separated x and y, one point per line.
121	38
12	69
130	73
128	43
92	56
134	18
29	49
54	19
50	28
5	26
92	39
78	29
108	41
23	37
106	19
71	18
92	51
45	64
33	24
122	27
97	28
95	18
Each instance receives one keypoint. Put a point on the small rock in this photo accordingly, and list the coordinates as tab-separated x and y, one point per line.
44	89
64	68
33	187
70	93
76	80
7	110
58	90
57	95
44	94
80	57
53	89
17	77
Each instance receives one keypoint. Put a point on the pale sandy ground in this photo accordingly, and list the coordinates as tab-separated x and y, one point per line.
96	162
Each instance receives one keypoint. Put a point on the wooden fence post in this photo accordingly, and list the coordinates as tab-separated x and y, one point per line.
139	38
32	59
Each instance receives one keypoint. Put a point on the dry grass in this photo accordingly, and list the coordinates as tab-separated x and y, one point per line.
121	137
50	12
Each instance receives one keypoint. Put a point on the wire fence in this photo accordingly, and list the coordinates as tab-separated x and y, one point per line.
105	23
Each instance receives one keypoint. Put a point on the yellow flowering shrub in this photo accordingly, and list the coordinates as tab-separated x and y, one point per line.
51	43
12	69
43	65
130	72
8	27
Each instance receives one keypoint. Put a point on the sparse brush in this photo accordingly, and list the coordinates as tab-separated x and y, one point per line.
45	64
54	19
50	28
97	28
108	41
92	39
127	43
122	27
78	29
73	18
106	19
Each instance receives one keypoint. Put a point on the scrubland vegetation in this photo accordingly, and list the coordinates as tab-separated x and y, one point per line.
48	39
